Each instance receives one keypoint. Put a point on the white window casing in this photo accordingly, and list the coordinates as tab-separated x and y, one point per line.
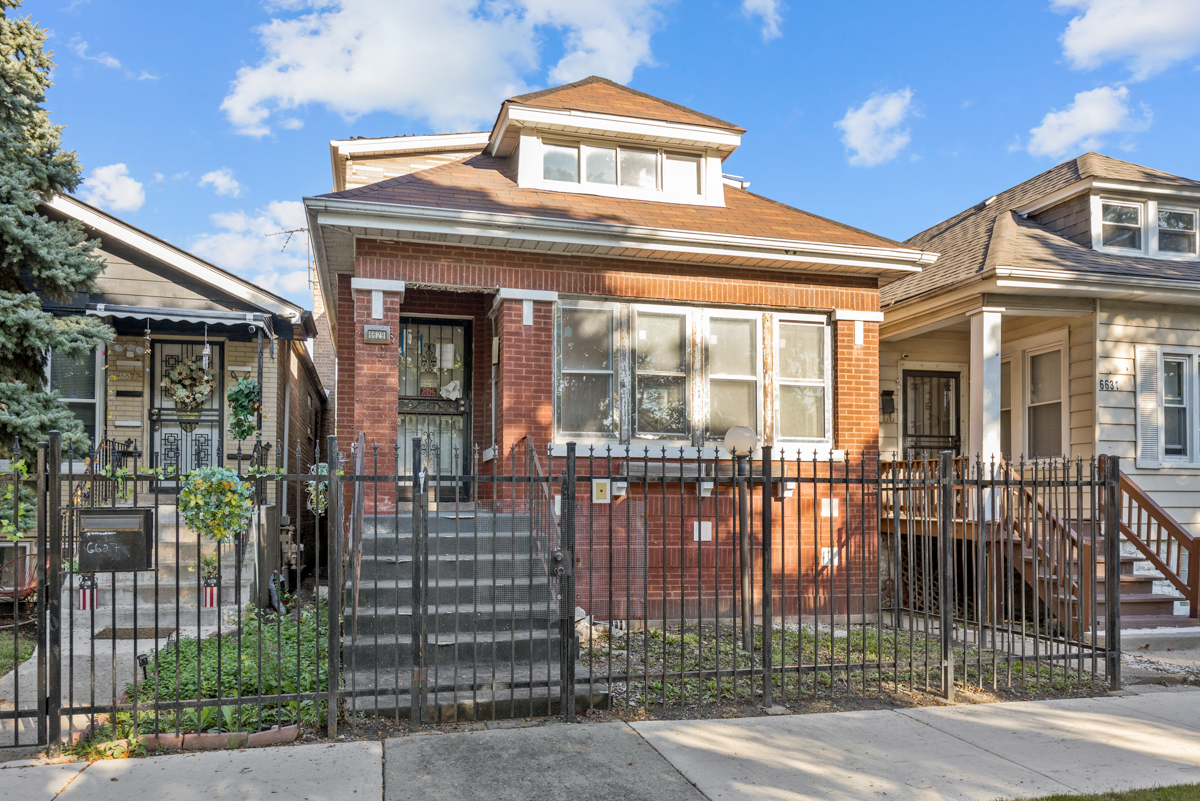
1149	408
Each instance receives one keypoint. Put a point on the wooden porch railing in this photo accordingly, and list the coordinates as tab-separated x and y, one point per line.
1163	540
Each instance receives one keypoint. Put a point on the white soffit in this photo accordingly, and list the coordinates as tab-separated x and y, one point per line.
607	125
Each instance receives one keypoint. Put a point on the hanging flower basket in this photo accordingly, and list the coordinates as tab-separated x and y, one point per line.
216	503
189	384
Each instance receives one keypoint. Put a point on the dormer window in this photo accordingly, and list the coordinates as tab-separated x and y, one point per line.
1151	228
1177	231
677	175
1123	226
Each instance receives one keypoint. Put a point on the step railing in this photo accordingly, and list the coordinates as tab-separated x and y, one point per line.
1167	545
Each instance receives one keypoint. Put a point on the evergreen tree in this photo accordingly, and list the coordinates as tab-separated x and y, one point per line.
40	258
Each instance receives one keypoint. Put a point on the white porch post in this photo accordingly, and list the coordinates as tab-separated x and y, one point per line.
984	422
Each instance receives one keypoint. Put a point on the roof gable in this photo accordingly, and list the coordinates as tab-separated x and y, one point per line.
968	242
602	96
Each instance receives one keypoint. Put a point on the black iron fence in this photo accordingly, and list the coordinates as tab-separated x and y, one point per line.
552	582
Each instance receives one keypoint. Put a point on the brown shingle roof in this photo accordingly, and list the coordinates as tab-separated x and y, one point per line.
972	240
603	96
488	184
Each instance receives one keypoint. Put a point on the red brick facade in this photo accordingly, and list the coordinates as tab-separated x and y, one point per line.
461	282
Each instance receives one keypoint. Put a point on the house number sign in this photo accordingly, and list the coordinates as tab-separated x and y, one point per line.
1111	384
377	334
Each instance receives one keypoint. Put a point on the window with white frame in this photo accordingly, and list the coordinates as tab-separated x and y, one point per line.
1121	225
800	377
1151	227
733	366
75	381
1044	404
1177	231
587	374
1175	392
635	168
686	375
660	370
1006	408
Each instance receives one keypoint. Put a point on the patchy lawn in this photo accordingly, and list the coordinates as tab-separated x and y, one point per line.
1176	792
11	656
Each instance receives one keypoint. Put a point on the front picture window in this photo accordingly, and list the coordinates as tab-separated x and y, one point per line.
732	375
801	377
660	369
74	379
586	391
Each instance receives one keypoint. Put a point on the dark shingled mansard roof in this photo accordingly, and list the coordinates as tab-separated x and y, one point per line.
978	239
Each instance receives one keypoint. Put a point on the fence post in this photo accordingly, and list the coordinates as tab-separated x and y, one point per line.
334	583
54	592
1112	571
767	611
420	541
946	533
566	586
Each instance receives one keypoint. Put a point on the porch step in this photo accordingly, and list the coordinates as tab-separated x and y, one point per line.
482	648
1153	622
1141	605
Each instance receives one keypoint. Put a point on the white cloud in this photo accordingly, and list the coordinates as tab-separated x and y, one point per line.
872	132
1147	35
458	60
771	12
103	59
111	188
222	181
244	247
1080	125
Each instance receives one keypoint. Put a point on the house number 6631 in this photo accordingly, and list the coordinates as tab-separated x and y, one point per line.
1109	383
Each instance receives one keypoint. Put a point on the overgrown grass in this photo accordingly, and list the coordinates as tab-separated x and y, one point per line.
279	656
1175	792
12	655
859	659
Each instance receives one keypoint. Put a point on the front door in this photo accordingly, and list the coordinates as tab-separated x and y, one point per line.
184	439
434	403
930	413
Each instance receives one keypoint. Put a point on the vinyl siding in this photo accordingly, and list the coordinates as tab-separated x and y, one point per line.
943	347
1124	326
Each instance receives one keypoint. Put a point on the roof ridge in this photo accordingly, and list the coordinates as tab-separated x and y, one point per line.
593	79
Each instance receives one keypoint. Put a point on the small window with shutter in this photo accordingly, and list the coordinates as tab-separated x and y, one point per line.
1166	388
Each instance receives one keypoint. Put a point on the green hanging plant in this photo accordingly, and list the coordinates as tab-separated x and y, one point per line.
245	401
215	502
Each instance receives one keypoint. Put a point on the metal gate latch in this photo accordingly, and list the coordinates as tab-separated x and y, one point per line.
563	564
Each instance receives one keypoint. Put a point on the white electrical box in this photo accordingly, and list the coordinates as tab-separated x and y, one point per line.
702	531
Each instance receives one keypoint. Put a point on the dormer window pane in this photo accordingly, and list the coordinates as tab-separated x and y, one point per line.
1122	226
639	168
600	165
1176	231
682	174
560	163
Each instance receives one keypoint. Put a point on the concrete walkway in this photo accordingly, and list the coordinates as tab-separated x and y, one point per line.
1137	739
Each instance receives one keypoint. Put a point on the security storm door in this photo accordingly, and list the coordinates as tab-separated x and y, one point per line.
186	438
435	362
930	413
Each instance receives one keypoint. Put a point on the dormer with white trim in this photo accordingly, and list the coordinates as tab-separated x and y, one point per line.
655	151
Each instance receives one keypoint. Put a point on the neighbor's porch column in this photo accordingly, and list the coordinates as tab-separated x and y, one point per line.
984	421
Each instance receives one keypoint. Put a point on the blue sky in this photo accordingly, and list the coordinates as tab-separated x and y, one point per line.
205	123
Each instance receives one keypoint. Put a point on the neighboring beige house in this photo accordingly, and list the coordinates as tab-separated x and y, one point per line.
1062	318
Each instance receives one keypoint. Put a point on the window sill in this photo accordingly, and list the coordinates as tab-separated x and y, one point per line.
785	452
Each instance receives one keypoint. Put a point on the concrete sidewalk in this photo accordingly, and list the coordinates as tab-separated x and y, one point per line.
1138	739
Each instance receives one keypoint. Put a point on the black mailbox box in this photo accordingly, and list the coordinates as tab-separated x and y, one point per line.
116	540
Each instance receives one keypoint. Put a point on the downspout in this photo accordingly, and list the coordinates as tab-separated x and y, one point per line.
1096	379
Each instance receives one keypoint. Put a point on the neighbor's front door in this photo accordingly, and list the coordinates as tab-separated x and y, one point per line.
931	413
434	402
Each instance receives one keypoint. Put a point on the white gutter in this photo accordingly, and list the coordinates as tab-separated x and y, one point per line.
390	216
1086	283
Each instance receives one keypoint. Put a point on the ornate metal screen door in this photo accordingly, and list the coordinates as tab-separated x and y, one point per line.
930	413
435	362
183	439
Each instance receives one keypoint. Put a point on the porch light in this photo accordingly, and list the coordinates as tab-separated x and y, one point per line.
741	440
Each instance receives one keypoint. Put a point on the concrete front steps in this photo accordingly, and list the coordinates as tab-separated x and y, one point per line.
491	617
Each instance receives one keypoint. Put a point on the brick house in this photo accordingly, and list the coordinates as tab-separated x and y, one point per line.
585	271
